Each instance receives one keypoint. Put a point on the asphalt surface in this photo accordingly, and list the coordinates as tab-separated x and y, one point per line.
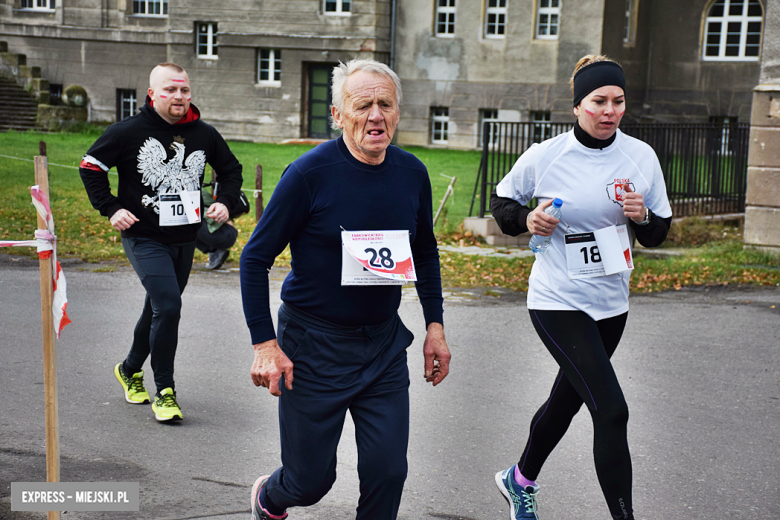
700	370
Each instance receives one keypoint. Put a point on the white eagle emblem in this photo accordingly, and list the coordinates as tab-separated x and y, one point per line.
166	176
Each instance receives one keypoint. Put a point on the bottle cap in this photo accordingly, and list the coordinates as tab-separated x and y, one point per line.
557	203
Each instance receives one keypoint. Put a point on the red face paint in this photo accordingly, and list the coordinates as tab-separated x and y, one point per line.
589	112
163	97
178	80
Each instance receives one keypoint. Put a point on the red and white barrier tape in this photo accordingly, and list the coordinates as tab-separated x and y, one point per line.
46	243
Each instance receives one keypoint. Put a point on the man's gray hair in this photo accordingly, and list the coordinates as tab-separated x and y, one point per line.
344	70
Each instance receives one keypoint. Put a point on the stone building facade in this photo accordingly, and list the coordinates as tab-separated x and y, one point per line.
680	58
694	61
488	64
259	68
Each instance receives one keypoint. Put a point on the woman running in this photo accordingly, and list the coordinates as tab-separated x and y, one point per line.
605	179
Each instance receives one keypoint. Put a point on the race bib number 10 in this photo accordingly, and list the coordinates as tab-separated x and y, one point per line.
376	258
179	209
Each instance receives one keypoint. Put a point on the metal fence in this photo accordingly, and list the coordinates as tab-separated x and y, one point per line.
704	165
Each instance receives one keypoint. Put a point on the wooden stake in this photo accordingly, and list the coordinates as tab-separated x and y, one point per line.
446	196
49	344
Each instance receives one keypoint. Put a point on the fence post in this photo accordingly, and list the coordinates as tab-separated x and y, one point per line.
258	192
483	190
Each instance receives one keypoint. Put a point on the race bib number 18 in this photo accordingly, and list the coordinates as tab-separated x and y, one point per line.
598	253
583	258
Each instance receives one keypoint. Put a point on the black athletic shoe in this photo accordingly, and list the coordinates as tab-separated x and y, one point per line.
217	258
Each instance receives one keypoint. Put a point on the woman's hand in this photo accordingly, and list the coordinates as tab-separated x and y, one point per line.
539	222
634	205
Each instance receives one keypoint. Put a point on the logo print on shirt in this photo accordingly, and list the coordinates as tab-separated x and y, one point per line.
166	176
617	190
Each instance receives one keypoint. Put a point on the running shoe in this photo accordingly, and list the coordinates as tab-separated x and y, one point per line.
258	511
522	502
165	407
135	393
217	258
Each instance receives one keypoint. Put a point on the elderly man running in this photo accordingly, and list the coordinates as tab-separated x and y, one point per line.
345	345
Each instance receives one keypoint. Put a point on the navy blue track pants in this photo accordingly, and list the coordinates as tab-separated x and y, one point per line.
164	270
336	369
582	348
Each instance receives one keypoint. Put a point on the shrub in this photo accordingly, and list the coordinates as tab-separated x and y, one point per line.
695	231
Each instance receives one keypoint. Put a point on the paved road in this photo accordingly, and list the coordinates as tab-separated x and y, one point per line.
699	369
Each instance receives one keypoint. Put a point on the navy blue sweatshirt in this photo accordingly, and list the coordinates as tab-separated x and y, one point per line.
323	191
153	157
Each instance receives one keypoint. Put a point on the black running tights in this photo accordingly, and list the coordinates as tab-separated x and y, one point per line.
582	348
164	270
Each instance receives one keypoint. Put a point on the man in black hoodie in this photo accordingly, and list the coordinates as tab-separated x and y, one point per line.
160	155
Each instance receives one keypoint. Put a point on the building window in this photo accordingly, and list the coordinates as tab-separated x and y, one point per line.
541	127
55	93
495	19
548	18
627	28
151	7
629	31
269	67
440	125
338	6
445	18
38	5
733	30
126	104
489	116
207	40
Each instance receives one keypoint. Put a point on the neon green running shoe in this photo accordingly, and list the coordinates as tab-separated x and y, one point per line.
135	393
165	407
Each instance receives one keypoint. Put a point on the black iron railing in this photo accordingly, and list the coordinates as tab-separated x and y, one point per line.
704	165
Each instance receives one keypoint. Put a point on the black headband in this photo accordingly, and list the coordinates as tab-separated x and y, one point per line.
597	75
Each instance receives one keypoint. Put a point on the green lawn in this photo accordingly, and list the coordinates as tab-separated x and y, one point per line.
701	175
717	258
84	233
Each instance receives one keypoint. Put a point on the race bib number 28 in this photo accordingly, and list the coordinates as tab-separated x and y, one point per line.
376	258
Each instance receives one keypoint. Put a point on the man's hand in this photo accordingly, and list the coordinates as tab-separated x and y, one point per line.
218	212
122	220
437	354
634	205
269	365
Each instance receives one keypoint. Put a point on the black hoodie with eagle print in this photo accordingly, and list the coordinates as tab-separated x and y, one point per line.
153	158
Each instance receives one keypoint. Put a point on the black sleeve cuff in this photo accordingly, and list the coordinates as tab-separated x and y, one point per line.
653	233
510	215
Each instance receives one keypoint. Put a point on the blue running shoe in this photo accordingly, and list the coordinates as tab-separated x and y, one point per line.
522	502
